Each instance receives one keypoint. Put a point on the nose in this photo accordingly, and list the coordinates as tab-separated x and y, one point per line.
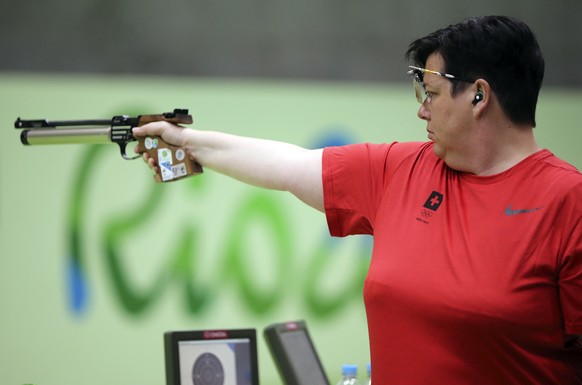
423	113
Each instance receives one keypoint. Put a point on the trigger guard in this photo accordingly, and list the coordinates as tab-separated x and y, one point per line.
122	148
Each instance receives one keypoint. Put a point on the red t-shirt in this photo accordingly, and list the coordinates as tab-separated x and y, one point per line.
473	280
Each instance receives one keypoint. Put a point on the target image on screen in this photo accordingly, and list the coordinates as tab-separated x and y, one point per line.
207	370
210	358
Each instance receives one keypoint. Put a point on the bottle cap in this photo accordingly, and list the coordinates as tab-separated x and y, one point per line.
350	370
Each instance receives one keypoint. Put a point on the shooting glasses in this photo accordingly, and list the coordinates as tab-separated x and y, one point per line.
417	74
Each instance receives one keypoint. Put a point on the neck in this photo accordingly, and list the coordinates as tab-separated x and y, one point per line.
502	147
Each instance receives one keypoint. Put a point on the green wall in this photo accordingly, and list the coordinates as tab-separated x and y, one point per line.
97	261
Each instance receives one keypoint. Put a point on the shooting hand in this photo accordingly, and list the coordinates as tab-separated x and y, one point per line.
170	133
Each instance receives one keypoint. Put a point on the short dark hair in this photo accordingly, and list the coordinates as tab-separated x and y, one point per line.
500	49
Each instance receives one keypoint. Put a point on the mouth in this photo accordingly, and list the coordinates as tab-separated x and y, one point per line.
430	135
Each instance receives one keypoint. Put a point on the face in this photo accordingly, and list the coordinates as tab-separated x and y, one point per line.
448	119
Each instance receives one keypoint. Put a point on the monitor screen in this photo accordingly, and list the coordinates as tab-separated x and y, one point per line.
226	357
303	358
294	354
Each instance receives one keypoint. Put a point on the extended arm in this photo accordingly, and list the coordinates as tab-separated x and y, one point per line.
264	163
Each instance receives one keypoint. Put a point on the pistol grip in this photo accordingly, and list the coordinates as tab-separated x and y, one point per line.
173	162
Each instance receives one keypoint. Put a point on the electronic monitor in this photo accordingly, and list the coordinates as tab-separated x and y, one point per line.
294	354
211	357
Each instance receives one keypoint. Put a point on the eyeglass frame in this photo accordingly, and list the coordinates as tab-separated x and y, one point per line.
417	74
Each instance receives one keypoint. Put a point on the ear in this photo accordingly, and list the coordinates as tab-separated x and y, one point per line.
481	96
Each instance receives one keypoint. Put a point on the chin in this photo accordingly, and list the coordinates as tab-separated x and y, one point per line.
438	151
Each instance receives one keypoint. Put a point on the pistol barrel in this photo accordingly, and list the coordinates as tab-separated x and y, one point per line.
96	135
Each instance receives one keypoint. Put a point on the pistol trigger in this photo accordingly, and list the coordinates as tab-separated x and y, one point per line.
122	148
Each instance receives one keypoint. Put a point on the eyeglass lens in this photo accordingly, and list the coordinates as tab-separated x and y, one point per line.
418	91
417	82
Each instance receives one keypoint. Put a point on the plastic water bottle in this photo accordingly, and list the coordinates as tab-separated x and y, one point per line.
369	370
349	375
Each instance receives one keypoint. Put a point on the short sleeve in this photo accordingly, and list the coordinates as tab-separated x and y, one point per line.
570	282
354	178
